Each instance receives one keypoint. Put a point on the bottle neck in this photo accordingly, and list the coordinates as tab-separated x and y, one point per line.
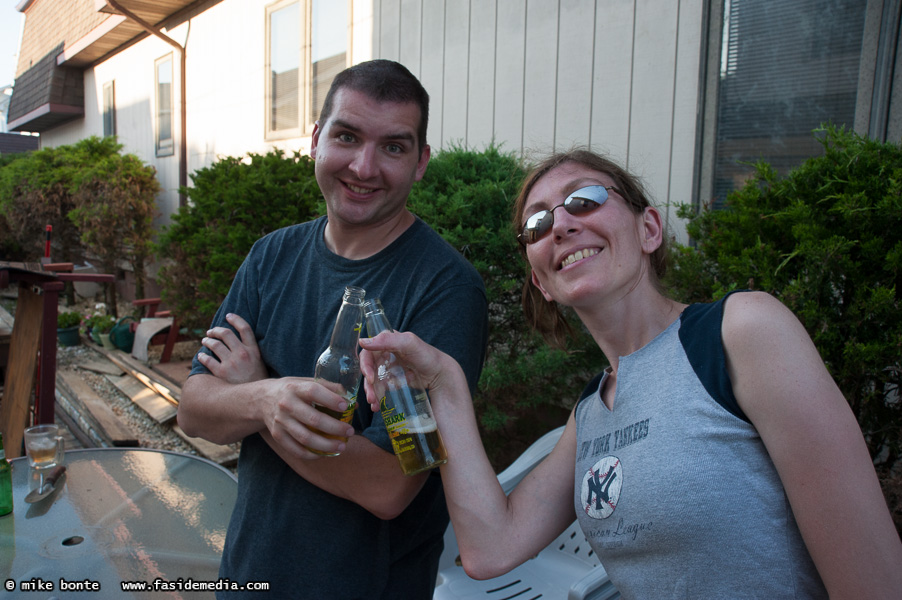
376	323
347	326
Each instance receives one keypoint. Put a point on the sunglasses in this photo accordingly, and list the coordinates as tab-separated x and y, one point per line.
580	202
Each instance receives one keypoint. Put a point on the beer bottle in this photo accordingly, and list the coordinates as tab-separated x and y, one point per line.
404	404
338	367
6	482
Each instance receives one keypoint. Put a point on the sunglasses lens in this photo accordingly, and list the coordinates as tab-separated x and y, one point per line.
537	225
580	206
585	200
580	202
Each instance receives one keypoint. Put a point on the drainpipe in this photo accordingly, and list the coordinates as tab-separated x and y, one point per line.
183	137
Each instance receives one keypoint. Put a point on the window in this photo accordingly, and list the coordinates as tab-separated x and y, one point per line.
329	49
163	68
109	109
284	64
784	69
306	46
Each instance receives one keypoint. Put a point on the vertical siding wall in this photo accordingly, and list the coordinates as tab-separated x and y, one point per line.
620	76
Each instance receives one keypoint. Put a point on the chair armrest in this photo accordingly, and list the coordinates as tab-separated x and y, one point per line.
594	585
58	267
151	304
147	301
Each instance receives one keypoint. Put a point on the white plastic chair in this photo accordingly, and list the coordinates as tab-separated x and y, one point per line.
566	569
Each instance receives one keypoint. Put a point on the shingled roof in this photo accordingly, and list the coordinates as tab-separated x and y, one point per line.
11	143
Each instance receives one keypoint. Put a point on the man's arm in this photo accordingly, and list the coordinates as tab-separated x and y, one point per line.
226	407
224	412
381	487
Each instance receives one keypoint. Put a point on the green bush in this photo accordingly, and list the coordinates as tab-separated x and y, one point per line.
68	319
95	198
827	241
526	387
10	247
115	203
100	323
36	189
233	203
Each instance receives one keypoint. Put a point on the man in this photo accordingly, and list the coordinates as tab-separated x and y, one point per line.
351	526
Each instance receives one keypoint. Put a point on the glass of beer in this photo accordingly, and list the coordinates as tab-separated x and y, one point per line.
44	446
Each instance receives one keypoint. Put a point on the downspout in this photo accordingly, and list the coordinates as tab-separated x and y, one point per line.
183	136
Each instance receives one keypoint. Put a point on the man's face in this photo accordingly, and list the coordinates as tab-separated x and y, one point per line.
367	158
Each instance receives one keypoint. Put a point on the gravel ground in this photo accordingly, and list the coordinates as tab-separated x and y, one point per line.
147	431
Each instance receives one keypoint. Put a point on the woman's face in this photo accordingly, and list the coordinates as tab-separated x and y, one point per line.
587	258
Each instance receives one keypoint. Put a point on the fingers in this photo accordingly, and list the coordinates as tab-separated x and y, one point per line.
368	370
214	366
236	357
287	445
372	396
308	443
220	341
432	369
299	426
409	348
243	328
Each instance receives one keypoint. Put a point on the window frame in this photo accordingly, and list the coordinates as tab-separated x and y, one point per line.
305	71
164	147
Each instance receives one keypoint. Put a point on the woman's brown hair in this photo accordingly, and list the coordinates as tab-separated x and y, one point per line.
544	316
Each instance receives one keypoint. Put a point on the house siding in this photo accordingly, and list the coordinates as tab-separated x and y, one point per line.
620	76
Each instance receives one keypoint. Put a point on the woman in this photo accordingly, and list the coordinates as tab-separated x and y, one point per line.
716	458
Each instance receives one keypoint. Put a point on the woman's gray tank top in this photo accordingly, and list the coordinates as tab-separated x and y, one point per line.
674	489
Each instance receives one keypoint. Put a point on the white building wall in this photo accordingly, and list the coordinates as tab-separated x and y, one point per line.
620	76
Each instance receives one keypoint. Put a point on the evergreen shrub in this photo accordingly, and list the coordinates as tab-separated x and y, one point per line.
233	203
37	189
115	203
96	199
10	248
827	241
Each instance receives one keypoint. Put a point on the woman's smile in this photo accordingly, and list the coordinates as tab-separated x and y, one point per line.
578	255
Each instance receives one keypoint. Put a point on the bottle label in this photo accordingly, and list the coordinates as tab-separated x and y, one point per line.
396	425
348	413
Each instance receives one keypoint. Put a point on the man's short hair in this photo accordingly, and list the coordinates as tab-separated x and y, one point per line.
383	81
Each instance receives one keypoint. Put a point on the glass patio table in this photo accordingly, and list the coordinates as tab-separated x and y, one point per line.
121	522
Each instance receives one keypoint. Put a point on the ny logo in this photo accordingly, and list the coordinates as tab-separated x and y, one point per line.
598	487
